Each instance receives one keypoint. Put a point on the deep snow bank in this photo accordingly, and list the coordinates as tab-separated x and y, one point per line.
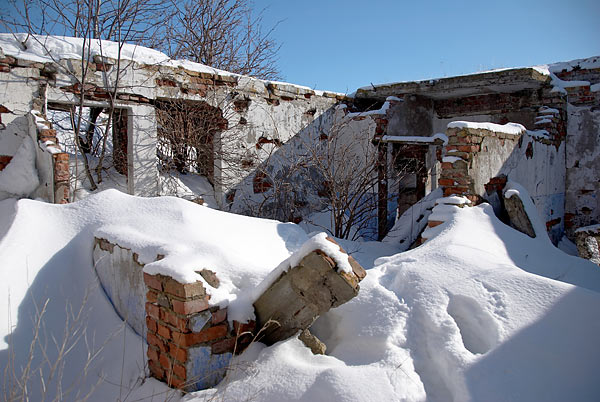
458	318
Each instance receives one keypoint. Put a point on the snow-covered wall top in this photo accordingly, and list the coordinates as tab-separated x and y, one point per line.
46	49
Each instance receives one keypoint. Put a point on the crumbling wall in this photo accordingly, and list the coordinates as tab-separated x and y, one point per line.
191	341
121	276
583	168
261	115
476	155
23	84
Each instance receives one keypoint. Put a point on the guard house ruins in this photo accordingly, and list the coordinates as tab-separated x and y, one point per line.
260	145
249	125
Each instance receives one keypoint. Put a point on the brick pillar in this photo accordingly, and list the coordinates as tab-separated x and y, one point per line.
189	342
60	166
61	178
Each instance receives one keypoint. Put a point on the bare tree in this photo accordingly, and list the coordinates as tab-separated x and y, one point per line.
224	34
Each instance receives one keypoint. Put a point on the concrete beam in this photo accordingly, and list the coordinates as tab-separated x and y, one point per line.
295	300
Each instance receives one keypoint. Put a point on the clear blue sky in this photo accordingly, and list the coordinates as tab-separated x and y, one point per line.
341	45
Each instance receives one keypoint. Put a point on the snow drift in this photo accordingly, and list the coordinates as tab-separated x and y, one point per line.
473	314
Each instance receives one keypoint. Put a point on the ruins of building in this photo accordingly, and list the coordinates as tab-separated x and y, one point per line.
555	157
464	135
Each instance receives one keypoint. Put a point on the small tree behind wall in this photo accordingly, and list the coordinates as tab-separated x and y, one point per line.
331	176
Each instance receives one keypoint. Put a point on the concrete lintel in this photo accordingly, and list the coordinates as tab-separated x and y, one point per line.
509	80
295	300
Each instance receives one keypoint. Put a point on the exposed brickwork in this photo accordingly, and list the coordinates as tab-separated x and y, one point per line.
60	161
261	183
488	104
456	177
4	160
179	319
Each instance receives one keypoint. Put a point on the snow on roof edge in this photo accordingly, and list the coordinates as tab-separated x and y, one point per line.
70	48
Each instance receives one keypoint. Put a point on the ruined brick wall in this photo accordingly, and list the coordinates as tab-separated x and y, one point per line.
260	115
476	156
190	342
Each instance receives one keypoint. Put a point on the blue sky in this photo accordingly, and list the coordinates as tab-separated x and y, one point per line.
343	45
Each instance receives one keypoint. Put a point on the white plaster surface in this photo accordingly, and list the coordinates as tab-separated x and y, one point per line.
123	282
583	165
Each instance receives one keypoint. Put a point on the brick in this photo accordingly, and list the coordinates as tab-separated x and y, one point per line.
156	341
210	334
153	310
446	182
179	371
163	331
552	222
468	148
174	381
151	296
156	370
194	338
152	281
239	328
186	290
219	316
152	354
151	324
178	353
190	306
165	362
224	346
8	60
433	224
181	324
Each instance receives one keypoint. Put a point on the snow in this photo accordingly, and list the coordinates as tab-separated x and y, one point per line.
590	228
54	48
588	63
451	159
20	177
539	134
548	110
475	313
408	138
508	128
412	222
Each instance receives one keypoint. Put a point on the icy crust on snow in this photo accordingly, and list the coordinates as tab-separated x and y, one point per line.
54	48
20	177
508	128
